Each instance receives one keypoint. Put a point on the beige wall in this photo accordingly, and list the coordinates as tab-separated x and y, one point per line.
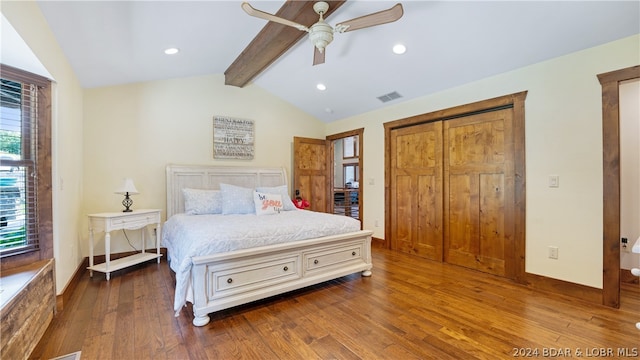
67	123
563	137
135	130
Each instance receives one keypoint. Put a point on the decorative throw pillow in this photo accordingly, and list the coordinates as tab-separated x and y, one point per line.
200	201
267	204
237	200
283	191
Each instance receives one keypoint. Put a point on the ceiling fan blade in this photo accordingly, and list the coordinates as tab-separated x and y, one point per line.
318	56
266	16
377	18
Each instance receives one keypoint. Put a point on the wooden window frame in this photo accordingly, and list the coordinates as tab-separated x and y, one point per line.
350	152
356	172
43	174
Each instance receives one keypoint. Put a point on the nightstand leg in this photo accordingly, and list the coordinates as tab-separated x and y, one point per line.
143	236
107	253
90	251
158	241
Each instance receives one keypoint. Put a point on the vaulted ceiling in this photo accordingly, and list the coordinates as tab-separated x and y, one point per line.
449	43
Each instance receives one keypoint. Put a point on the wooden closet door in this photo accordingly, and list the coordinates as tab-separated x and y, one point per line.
479	190
416	190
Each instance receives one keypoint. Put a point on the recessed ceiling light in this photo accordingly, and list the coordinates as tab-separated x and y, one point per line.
171	51
321	87
399	49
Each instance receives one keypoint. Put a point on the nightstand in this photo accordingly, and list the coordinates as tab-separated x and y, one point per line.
108	222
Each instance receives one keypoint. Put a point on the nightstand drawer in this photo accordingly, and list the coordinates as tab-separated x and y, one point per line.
133	222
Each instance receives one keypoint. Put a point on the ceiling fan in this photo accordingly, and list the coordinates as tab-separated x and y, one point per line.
321	33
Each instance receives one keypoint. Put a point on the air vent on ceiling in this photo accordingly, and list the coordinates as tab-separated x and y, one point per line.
390	96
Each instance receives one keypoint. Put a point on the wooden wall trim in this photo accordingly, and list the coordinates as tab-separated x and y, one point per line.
378	243
611	181
626	277
583	292
68	290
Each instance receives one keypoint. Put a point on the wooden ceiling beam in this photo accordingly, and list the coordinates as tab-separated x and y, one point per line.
273	41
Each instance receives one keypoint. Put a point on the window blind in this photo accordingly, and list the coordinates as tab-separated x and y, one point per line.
19	229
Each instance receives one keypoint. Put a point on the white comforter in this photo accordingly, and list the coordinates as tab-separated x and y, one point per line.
186	236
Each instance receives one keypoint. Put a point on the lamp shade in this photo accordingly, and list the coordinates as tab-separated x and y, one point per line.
127	186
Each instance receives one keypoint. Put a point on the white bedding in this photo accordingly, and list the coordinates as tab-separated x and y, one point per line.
187	236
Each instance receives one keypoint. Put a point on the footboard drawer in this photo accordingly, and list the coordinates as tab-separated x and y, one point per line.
333	257
251	276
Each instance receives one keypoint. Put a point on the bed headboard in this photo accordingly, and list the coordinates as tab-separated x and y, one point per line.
209	177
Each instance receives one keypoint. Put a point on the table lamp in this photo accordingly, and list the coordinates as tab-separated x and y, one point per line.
127	188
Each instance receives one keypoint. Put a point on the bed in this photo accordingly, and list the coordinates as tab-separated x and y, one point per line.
226	263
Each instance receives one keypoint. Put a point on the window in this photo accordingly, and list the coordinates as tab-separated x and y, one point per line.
351	175
25	166
350	147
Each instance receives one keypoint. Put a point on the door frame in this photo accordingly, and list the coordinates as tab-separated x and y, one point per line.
611	181
515	267
331	138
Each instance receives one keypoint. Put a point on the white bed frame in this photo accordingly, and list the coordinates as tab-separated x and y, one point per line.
225	280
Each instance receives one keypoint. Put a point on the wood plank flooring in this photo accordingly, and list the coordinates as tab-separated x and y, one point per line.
410	308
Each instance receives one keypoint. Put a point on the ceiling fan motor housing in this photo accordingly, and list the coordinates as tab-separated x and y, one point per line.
321	35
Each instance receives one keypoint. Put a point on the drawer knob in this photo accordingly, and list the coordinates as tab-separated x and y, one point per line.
353	253
286	268
229	280
315	261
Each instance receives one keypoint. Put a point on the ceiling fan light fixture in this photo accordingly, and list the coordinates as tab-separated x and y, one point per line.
321	35
399	49
321	87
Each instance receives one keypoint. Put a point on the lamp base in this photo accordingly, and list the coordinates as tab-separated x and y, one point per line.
127	202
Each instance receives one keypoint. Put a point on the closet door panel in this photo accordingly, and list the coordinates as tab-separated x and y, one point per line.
461	224
478	183
402	221
492	216
429	231
416	190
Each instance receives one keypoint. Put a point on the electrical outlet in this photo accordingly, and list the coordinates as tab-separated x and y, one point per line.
624	245
553	252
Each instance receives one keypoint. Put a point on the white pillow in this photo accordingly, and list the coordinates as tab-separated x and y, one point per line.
267	204
237	200
283	191
200	201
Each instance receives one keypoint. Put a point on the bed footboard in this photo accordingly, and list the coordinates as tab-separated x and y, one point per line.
222	281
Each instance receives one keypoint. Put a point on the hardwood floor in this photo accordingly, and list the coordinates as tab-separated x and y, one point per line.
410	308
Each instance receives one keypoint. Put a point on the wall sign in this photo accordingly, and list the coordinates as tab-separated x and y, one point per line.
233	138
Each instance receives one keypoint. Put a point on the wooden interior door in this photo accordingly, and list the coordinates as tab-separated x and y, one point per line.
479	188
311	173
416	190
